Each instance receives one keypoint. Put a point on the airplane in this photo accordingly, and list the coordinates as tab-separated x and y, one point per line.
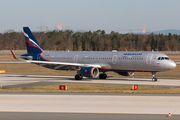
96	63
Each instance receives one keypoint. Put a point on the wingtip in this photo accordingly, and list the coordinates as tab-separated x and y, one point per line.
14	56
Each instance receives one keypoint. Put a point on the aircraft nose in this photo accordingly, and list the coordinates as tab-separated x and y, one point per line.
172	65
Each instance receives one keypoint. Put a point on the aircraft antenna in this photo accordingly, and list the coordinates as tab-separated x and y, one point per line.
144	29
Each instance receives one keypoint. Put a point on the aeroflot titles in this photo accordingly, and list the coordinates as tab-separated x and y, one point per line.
132	53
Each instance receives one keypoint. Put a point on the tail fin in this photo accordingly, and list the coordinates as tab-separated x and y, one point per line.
31	43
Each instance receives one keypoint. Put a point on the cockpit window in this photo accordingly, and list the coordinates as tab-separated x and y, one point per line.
166	58
163	58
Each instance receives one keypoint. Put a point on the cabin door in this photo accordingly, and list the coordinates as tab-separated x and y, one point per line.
149	58
75	58
114	59
38	57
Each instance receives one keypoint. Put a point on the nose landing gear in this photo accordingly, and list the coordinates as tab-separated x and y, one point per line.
154	79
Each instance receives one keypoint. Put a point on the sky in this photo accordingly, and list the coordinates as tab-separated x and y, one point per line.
108	15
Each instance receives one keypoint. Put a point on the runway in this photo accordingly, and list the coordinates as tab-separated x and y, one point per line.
15	81
82	116
88	106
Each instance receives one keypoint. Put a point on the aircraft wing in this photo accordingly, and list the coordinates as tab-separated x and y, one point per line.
57	63
65	64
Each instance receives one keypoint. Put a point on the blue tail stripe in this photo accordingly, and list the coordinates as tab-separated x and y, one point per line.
31	43
29	33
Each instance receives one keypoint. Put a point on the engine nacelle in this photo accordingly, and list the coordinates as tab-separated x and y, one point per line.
89	72
126	73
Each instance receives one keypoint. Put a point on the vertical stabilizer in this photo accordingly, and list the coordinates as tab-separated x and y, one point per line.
31	43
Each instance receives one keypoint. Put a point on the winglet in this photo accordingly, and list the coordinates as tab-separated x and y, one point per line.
125	49
13	54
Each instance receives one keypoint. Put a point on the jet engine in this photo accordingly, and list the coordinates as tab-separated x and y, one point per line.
89	72
126	73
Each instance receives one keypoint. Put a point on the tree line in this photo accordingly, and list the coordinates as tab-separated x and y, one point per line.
93	41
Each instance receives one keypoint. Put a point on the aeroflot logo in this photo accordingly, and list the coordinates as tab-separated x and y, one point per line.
132	53
31	42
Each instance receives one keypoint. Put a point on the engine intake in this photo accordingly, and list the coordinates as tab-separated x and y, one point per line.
89	72
126	73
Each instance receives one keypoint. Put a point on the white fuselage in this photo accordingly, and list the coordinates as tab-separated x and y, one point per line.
115	61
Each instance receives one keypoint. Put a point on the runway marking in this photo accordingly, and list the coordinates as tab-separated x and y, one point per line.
86	101
86	112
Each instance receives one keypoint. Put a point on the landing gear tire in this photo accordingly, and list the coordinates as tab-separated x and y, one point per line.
78	77
102	76
154	79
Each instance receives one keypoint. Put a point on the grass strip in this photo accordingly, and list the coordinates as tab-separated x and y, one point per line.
92	88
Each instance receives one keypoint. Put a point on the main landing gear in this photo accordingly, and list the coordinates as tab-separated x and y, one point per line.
78	77
102	76
154	79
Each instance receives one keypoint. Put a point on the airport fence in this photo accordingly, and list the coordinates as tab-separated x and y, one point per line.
24	51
